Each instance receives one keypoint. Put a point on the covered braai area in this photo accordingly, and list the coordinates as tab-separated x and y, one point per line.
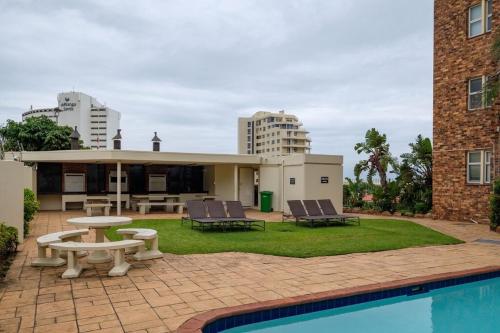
127	179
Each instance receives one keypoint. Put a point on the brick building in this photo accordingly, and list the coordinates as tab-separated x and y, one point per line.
465	128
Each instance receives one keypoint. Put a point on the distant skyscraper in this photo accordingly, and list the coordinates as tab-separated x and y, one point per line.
273	134
96	123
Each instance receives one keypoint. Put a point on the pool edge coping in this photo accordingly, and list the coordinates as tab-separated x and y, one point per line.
197	323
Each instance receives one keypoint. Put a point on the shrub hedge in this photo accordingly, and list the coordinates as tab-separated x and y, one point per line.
8	246
31	206
495	206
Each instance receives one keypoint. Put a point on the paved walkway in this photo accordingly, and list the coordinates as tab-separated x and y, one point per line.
159	295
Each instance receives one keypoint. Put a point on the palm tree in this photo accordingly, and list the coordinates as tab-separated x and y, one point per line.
354	191
379	158
420	159
415	174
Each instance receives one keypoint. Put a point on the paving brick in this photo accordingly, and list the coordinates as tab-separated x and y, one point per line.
67	327
164	293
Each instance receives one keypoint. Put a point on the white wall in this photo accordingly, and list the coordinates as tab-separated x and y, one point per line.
29	175
270	180
50	201
224	181
12	182
293	191
307	170
314	189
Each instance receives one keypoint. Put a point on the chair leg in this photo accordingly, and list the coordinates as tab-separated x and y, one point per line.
106	211
74	269
142	210
120	267
89	211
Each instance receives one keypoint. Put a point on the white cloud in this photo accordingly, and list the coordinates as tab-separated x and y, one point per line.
188	69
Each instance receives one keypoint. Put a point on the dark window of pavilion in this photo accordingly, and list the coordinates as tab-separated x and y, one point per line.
185	179
49	178
137	179
96	178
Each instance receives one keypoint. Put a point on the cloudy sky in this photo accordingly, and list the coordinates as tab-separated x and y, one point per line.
188	69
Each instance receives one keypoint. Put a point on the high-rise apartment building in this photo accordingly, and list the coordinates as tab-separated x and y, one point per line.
97	124
466	126
273	134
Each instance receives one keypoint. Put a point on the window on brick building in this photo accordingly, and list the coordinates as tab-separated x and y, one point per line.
479	167
487	167
480	18
476	93
489	14
474	167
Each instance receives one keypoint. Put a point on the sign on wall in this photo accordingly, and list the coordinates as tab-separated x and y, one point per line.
74	182
66	104
324	180
292	181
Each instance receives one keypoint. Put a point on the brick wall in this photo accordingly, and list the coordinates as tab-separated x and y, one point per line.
458	58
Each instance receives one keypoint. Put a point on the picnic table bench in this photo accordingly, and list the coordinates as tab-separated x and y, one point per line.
120	266
144	206
44	241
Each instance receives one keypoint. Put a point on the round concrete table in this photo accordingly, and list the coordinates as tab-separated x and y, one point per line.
100	224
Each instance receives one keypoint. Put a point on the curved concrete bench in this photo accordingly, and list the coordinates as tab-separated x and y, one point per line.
120	265
147	235
44	241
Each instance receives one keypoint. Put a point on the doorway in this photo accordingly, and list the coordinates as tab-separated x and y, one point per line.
246	186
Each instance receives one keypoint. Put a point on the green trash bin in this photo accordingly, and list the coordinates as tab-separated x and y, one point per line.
266	201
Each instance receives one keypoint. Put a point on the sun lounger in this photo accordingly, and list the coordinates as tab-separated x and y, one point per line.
197	212
236	211
329	209
313	209
300	215
216	211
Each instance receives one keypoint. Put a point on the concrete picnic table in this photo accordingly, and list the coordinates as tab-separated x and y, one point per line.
154	197
100	224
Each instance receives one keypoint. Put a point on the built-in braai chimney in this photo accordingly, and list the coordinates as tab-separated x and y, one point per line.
156	142
117	140
75	139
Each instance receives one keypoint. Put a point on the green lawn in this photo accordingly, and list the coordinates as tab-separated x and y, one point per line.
286	239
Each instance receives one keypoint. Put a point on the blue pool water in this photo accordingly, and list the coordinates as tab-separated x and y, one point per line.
470	307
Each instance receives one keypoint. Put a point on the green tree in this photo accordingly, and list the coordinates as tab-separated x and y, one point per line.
379	158
35	134
415	176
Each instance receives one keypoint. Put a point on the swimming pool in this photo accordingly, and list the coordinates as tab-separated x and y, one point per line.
467	304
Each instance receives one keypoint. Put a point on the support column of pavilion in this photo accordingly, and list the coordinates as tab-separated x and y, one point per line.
236	182
118	188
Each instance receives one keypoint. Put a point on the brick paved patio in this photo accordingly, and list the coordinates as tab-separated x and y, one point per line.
159	295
